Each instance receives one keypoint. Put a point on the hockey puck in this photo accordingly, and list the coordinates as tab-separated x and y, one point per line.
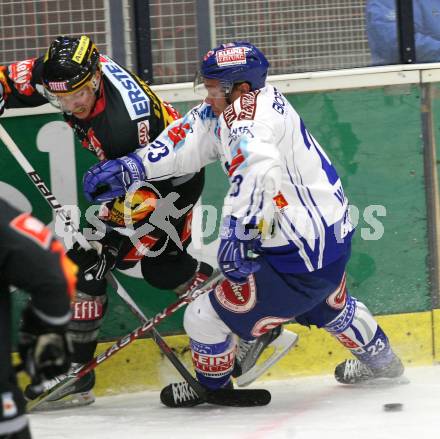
394	407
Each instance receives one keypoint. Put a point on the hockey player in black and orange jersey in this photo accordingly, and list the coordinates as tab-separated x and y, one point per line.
30	259
112	112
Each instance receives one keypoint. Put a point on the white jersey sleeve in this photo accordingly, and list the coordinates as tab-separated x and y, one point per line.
184	147
279	173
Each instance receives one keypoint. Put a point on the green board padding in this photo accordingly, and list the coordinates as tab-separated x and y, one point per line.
373	137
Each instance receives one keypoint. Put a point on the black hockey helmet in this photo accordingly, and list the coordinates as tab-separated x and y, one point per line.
69	64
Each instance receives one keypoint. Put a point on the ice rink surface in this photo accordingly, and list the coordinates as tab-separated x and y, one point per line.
301	408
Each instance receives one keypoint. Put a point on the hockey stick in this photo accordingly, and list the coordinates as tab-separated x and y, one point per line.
223	397
80	238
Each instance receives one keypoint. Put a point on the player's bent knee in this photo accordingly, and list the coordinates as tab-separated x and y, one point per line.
202	323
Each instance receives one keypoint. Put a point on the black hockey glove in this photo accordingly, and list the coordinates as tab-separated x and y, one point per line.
96	263
45	349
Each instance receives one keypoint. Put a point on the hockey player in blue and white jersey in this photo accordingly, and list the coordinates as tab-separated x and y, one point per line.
286	234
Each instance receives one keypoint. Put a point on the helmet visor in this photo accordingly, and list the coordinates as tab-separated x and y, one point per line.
73	101
199	86
211	88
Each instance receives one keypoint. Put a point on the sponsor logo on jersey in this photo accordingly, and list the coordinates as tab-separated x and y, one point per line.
238	132
134	96
9	406
93	144
21	75
266	324
236	297
32	228
236	162
87	310
172	113
178	133
280	201
230	115
215	366
231	56
347	341
248	106
338	298
57	86
134	254
136	207
143	132
80	51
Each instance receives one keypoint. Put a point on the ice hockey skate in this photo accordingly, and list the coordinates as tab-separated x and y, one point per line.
355	372
183	395
246	369
78	394
180	395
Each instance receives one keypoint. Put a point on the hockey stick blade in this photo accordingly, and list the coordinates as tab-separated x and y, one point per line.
239	397
57	391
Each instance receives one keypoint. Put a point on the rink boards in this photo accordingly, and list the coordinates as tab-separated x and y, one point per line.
414	336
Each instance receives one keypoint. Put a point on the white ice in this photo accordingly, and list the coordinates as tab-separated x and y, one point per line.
301	408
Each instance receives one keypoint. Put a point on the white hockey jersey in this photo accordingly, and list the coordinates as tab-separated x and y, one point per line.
278	174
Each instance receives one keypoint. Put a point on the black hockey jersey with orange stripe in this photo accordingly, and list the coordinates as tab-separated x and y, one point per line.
32	260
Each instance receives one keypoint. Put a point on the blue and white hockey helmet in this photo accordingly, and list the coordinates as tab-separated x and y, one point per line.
234	63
